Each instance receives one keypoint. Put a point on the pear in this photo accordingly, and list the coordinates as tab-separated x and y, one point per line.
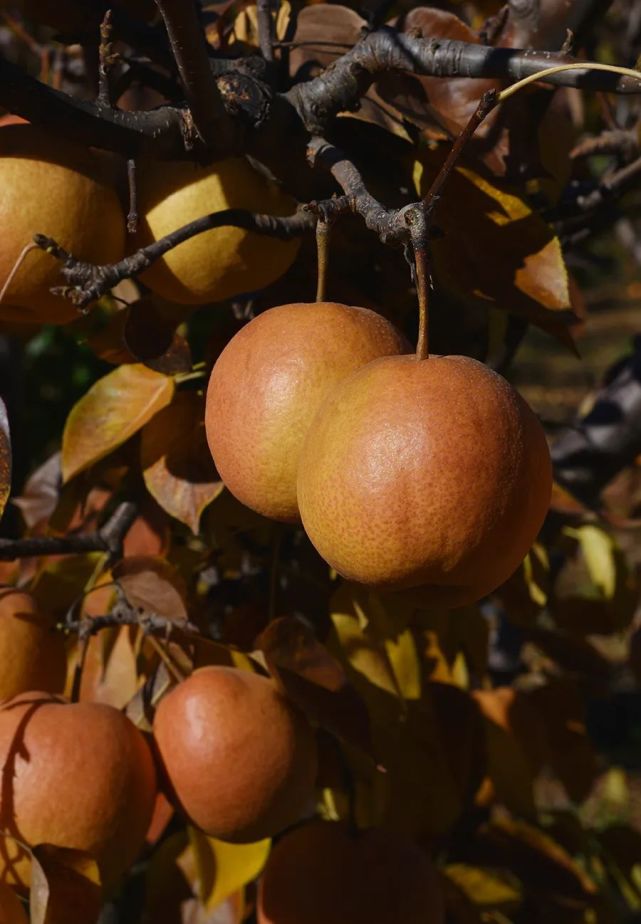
429	473
267	385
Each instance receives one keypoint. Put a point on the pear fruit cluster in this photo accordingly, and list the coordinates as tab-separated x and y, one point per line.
405	472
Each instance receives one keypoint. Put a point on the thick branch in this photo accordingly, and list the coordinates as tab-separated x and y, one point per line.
388	224
190	51
108	538
85	123
88	282
341	86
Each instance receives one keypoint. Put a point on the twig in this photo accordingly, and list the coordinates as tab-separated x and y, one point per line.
487	102
106	60
265	29
190	51
108	538
126	616
624	142
132	214
88	282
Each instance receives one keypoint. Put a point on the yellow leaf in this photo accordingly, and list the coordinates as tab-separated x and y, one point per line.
489	888
113	409
598	551
225	868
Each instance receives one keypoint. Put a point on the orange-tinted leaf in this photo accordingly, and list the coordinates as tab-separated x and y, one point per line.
496	252
113	409
65	886
110	677
153	586
315	680
5	457
108	342
177	464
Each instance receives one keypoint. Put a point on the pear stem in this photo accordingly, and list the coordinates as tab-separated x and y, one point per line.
322	251
419	219
419	235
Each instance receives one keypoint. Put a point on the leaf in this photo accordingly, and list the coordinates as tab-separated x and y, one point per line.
323	33
315	680
495	251
489	888
542	864
113	681
449	100
153	586
5	457
140	708
177	465
152	339
41	492
225	868
598	551
113	409
65	886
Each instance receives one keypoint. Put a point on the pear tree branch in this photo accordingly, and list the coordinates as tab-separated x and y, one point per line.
108	538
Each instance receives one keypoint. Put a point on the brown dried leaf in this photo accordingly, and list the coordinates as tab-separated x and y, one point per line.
176	462
65	886
113	409
315	680
108	342
324	32
41	492
450	100
153	586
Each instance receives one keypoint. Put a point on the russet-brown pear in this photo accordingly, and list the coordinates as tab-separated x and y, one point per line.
267	385
431	473
323	873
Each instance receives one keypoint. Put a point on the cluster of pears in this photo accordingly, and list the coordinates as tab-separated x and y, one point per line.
75	196
405	472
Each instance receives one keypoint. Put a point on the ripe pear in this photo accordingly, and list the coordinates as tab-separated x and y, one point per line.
240	759
60	190
76	775
267	385
11	908
431	473
222	262
32	653
322	873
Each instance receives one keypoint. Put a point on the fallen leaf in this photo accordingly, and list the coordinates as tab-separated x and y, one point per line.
176	462
113	409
